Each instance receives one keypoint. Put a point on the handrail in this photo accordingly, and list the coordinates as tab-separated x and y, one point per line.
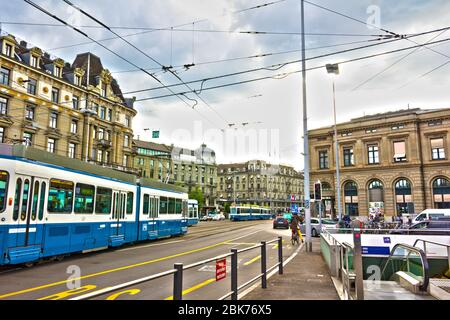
423	258
435	243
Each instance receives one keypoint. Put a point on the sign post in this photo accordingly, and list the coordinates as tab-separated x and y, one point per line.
221	269
318	197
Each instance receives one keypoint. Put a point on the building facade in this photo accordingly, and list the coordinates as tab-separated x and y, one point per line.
75	110
259	183
392	163
154	161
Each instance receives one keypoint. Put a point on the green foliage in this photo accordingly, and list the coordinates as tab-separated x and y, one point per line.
226	207
197	194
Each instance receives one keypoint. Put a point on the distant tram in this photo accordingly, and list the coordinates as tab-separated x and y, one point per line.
192	212
243	213
51	206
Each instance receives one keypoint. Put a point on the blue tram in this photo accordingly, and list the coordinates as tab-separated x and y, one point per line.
244	213
51	206
192	212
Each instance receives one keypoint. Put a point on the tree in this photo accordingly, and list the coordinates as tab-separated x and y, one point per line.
226	207
197	194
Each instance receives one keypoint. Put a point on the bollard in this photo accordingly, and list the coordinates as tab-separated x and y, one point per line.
263	265
178	282
234	274
280	255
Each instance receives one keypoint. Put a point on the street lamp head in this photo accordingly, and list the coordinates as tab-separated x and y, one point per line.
332	68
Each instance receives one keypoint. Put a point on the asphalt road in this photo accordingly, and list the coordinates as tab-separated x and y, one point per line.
83	273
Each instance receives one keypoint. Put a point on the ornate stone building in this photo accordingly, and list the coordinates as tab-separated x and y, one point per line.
394	162
154	160
260	183
76	110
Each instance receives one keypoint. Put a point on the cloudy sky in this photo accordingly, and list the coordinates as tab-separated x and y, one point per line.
271	109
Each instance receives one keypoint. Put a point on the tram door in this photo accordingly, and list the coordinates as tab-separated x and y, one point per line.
28	211
153	216
118	213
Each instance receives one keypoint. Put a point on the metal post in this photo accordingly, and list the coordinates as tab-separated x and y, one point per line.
357	264
178	282
234	274
280	255
320	216
263	265
338	176
305	138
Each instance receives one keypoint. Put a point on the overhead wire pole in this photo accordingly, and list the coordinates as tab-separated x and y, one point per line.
305	137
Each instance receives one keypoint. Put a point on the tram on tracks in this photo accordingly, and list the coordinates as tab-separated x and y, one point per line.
192	212
52	206
245	213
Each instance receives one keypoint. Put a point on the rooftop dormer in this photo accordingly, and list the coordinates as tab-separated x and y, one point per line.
8	45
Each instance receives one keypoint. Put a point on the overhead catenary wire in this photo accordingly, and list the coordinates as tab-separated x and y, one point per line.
146	55
298	71
106	48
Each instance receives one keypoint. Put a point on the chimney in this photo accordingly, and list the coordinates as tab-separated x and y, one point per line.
23	44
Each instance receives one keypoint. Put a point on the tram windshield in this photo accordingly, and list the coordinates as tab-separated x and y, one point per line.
3	188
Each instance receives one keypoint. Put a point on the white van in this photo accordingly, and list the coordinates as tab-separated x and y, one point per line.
431	214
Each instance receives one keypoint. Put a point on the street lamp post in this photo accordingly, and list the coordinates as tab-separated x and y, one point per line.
333	69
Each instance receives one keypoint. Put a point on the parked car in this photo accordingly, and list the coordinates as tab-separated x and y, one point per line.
431	214
206	218
218	217
315	226
280	222
429	227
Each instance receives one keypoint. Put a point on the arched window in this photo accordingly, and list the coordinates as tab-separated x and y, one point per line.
403	197
351	198
376	197
441	193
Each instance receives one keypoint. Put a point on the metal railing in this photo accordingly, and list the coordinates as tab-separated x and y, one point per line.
406	258
436	244
179	269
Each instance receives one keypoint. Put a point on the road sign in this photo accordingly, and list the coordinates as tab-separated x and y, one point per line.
318	191
221	269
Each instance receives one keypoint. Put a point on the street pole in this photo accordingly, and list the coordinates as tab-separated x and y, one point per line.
305	137
336	151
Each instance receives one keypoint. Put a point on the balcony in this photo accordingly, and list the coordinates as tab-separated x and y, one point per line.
104	144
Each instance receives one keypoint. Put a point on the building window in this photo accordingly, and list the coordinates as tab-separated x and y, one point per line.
55	95
399	151
99	156
75	102
125	160
126	141
31	87
74	126
4	76
27	139
109	115
434	123
437	149
29	112
58	72
51	145
104	90
3	106
323	159
403	197
376	198
441	193
348	157
127	121
77	80
102	113
8	50
373	154
53	120
372	130
2	134
95	108
101	133
106	157
72	150
398	127
34	61
346	134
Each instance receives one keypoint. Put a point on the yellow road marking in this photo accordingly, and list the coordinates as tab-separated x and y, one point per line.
69	293
253	260
121	268
131	292
198	286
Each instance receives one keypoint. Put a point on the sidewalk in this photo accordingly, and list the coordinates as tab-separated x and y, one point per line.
306	277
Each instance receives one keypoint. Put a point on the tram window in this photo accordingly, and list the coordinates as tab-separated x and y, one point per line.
146	204
42	200
84	198
17	199
34	207
3	189
178	206
103	201
130	196
163	204
171	205
25	196
154	207
60	196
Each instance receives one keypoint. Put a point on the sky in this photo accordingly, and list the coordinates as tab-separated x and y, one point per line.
259	119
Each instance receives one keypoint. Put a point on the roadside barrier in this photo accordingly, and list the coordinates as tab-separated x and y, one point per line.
179	269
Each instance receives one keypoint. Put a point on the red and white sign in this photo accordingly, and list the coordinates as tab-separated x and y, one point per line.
221	269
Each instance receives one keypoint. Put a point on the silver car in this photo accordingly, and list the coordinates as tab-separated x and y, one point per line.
315	226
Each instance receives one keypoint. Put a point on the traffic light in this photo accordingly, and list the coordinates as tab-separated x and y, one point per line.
318	191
